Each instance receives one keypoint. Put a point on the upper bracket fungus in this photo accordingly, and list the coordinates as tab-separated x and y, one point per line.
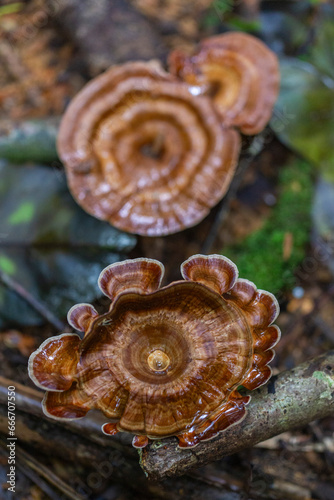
162	361
143	153
239	72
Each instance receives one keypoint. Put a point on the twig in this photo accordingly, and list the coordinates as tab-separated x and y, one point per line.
13	285
13	62
34	465
17	69
290	399
29	400
43	485
69	442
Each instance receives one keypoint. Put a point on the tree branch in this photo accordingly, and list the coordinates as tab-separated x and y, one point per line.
291	399
16	287
28	402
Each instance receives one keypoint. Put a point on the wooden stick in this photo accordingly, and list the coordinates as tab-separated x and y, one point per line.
291	399
42	476
29	401
16	287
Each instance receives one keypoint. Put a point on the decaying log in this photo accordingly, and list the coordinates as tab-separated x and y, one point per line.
291	399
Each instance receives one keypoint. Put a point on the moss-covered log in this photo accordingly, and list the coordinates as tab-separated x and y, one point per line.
290	399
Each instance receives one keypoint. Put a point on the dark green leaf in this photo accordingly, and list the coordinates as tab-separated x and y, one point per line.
304	114
29	140
49	244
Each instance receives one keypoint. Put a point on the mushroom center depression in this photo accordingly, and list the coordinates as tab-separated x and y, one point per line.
154	148
156	353
158	361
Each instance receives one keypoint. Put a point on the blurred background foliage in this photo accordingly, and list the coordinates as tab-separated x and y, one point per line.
276	223
53	249
49	245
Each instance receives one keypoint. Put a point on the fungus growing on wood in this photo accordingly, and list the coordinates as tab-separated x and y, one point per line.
239	72
143	153
162	361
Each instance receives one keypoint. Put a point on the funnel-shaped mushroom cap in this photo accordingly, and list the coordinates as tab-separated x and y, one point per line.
143	153
163	361
239	72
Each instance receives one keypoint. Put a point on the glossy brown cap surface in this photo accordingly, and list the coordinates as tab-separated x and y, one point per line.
239	72
143	153
163	361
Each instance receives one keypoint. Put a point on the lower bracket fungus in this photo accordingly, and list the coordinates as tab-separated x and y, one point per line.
162	361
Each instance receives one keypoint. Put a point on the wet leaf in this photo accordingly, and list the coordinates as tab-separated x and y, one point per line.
284	32
304	114
7	265
238	23
11	8
24	213
33	140
323	223
49	244
322	54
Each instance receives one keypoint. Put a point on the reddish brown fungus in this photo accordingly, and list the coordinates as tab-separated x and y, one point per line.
240	74
162	361
143	153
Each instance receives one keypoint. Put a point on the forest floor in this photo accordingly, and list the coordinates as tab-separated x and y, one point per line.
48	50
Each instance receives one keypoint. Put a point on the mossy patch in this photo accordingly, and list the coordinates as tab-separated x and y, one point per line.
260	256
222	11
7	265
24	213
326	379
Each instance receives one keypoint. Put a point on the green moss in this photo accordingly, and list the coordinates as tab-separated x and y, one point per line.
7	265
326	379
260	256
23	214
221	11
11	9
157	444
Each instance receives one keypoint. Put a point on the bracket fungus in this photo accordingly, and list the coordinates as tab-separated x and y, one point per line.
143	153
162	361
239	72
